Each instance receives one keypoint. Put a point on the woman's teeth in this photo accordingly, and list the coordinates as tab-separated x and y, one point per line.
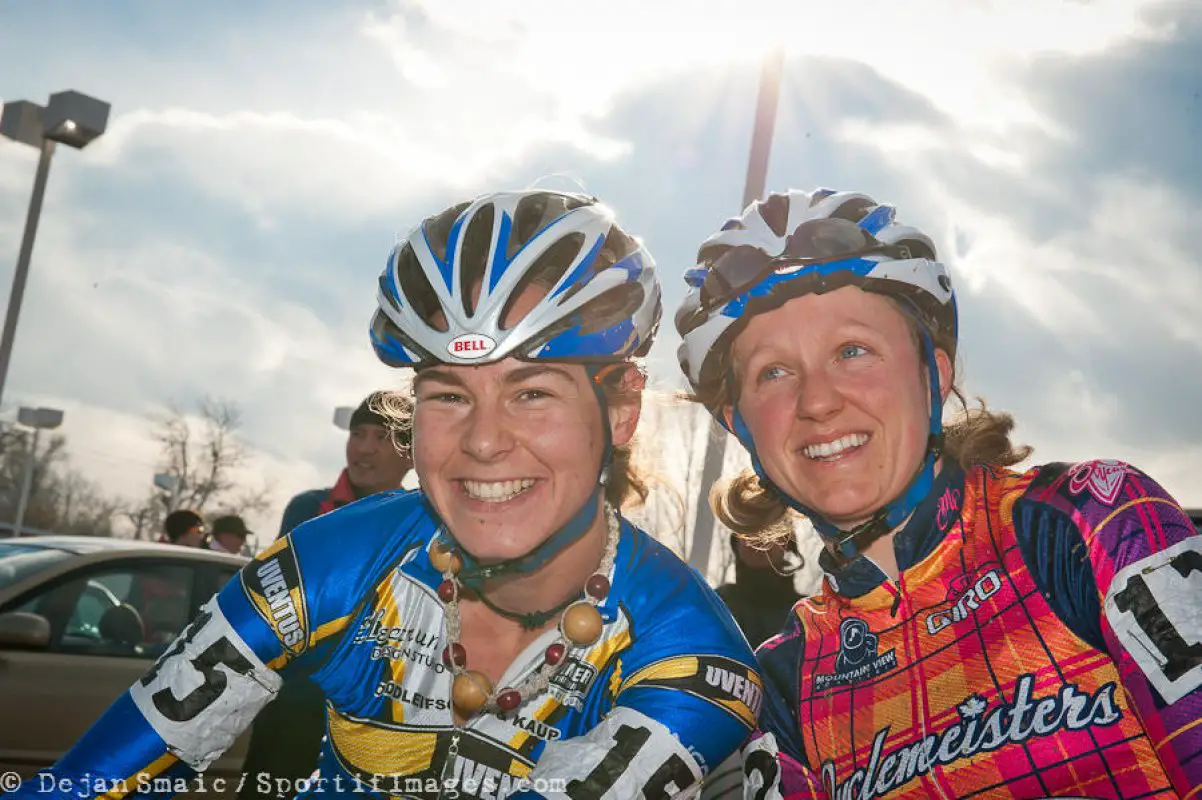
496	491
830	450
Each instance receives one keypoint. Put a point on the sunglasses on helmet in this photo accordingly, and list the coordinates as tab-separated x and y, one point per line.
817	241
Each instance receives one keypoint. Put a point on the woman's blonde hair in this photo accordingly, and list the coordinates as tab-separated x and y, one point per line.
628	484
975	436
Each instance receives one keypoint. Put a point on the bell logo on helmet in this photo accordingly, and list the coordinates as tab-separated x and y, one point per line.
471	345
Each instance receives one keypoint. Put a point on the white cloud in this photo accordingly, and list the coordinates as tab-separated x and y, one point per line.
354	120
478	87
1137	240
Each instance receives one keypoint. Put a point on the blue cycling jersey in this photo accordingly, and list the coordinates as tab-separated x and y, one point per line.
668	691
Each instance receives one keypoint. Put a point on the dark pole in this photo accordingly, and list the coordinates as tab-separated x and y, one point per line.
22	273
757	176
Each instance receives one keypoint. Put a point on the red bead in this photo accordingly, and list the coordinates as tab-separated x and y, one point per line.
555	653
509	699
454	654
597	586
446	591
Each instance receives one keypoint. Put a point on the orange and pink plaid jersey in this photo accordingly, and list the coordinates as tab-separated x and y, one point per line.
1044	639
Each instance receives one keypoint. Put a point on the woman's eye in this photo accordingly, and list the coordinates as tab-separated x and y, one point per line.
852	350
771	374
441	397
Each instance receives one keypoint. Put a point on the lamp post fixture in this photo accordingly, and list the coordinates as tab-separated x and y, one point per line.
342	417
39	419
170	484
70	118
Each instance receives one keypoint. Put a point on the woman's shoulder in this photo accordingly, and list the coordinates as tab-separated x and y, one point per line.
659	588
655	569
1095	483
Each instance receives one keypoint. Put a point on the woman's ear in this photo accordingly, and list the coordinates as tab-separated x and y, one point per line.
946	372
624	413
625	403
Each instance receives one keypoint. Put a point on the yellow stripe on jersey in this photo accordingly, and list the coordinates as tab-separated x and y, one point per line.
722	681
381	751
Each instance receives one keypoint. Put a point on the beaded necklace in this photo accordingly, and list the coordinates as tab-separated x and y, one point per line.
580	625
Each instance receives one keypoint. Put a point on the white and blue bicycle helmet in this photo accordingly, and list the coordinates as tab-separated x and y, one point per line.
603	302
795	243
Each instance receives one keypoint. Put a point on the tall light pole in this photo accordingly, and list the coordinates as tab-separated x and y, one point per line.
757	176
70	118
39	419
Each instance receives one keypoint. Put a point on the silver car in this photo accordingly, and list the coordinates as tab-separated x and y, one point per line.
82	619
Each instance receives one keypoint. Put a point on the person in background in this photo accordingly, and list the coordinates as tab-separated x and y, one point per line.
229	535
286	738
762	593
377	460
185	528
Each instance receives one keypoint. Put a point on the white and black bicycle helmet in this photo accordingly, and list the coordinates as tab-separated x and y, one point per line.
795	243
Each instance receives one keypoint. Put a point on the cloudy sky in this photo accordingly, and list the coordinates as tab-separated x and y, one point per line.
225	235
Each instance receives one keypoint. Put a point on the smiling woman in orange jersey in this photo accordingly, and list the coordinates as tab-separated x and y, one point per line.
504	632
981	632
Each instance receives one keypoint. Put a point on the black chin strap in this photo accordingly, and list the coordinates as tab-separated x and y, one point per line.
474	574
533	620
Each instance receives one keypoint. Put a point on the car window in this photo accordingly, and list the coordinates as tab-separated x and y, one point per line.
225	575
128	609
18	561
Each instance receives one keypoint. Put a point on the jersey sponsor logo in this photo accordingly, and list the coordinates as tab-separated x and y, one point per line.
980	730
948	508
411	655
857	659
537	728
408	763
966	599
573	681
395	691
471	778
205	689
471	346
1104	479
729	684
275	589
1152	606
373	630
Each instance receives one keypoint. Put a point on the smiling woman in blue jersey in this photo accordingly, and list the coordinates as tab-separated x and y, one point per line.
504	632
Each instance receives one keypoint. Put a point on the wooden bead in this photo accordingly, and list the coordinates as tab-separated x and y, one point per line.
470	692
597	586
555	653
581	624
444	559
446	591
509	699
454	654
